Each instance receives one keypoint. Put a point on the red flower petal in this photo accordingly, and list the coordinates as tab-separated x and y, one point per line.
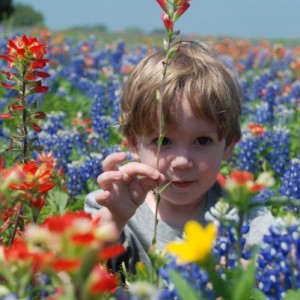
31	77
36	127
163	4
7	58
9	75
105	282
44	188
61	264
221	179
41	89
111	251
182	8
83	238
241	177
16	107
38	203
39	115
12	44
169	25
42	74
8	86
257	187
5	116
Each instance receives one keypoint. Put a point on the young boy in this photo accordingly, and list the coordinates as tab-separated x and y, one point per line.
201	107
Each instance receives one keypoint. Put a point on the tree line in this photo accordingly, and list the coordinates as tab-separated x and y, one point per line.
18	15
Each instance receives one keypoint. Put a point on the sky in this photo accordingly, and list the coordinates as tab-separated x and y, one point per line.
273	19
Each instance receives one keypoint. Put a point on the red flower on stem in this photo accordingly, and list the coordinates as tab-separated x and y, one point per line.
169	25
244	179
256	129
25	56
102	281
20	251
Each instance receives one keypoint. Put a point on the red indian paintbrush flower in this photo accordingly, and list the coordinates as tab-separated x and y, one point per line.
25	48
256	129
35	182
25	58
244	179
20	251
172	11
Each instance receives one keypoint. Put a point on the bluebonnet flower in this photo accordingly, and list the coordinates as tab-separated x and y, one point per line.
55	121
269	97
246	91
80	171
278	262
259	83
134	55
11	296
290	186
263	196
279	145
263	114
195	276
248	60
262	58
295	90
248	155
117	55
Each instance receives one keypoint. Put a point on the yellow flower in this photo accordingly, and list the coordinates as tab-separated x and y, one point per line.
197	244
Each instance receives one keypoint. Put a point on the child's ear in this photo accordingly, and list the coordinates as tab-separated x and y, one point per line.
133	148
228	151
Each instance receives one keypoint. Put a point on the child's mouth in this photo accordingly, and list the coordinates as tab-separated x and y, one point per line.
182	184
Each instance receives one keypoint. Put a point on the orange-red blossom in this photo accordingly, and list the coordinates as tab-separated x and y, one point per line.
245	179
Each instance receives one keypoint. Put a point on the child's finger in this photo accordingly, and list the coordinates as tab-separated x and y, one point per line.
135	169
111	161
108	178
139	189
102	197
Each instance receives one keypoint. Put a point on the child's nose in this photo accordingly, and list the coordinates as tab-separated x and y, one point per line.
181	161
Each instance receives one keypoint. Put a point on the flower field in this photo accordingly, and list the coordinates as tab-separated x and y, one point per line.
74	125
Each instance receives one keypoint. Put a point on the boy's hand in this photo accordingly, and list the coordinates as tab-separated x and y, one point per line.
124	188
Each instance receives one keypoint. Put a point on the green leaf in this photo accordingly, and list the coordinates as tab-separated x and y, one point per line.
220	286
58	201
185	290
292	295
244	283
171	52
258	295
161	190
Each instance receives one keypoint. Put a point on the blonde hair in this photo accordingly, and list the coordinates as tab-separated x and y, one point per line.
210	88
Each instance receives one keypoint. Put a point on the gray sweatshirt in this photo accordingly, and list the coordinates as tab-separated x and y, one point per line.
138	233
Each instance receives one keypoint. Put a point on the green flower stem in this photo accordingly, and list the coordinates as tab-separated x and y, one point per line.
157	198
24	119
161	131
17	223
219	285
239	236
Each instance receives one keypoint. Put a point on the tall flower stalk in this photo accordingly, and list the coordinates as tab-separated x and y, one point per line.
25	61
173	10
24	74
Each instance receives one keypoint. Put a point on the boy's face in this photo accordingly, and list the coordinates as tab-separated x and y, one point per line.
190	156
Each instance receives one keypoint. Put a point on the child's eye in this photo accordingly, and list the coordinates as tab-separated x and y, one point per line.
164	141
203	141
